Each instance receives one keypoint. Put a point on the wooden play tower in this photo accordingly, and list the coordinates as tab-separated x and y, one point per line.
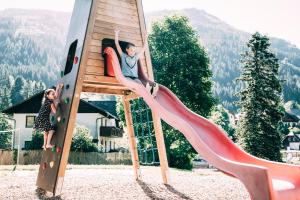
92	30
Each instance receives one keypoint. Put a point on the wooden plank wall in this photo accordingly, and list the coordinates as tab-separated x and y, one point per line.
111	15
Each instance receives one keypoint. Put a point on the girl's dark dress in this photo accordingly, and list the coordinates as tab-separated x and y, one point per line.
42	121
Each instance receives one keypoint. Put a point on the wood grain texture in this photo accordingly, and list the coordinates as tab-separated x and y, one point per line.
132	140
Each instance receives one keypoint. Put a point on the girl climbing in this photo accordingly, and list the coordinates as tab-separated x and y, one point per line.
42	121
129	63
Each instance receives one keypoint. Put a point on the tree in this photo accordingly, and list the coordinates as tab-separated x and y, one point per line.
181	63
5	100
260	100
38	87
82	140
17	90
5	137
36	142
220	116
28	89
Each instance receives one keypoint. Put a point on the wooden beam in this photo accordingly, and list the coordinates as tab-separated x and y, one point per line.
156	119
143	31
132	141
164	167
93	89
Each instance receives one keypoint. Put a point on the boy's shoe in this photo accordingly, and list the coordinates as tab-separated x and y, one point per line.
148	88
155	89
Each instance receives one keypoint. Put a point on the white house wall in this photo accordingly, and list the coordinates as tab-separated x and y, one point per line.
89	120
294	145
25	133
83	119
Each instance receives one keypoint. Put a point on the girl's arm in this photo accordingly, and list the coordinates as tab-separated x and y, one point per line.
144	47
53	108
117	42
58	90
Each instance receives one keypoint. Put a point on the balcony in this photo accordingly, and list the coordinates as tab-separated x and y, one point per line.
111	131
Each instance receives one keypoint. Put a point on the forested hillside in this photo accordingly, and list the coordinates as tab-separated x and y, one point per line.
225	45
32	44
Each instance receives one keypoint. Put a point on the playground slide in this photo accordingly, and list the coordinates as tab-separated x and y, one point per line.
264	180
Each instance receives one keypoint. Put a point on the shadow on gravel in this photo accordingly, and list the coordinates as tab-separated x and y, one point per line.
41	194
174	191
150	193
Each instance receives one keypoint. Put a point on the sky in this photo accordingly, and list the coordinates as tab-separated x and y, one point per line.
277	18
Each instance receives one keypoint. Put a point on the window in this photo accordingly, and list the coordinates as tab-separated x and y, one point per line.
29	121
70	58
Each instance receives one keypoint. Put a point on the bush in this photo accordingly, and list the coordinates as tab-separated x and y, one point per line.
36	142
5	137
82	140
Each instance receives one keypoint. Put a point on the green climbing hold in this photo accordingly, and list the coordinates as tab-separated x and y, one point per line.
63	120
52	119
67	100
53	149
61	73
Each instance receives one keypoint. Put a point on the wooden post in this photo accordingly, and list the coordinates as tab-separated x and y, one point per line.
164	167
132	141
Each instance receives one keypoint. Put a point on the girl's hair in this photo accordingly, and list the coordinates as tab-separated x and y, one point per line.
46	93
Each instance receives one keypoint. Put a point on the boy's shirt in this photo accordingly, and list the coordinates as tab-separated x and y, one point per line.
129	65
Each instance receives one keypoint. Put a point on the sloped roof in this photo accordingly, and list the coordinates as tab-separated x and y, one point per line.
292	135
33	104
110	106
290	117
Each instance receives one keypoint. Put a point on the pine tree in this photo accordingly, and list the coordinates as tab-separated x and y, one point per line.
181	63
260	100
221	117
28	89
5	100
17	90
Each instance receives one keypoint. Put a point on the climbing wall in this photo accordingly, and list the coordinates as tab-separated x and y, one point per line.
54	161
91	30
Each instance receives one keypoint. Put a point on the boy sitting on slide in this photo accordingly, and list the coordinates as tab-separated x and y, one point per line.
129	63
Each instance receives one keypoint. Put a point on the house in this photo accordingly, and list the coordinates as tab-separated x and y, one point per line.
291	141
99	117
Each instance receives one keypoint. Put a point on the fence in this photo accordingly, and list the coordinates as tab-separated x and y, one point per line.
80	158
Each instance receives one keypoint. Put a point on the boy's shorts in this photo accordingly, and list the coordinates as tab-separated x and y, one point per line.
135	79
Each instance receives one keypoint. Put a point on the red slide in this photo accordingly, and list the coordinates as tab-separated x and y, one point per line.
264	180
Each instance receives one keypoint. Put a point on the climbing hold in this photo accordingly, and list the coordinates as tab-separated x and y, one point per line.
51	164
67	86
58	118
63	120
61	73
58	150
44	165
75	60
53	149
67	100
52	118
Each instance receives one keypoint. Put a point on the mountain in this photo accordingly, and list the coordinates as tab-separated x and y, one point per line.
225	44
32	45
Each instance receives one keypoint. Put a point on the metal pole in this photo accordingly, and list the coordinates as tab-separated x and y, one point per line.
18	156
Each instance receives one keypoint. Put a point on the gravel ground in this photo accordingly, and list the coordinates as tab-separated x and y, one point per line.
117	182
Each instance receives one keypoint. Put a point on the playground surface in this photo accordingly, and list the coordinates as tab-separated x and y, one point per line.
116	182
